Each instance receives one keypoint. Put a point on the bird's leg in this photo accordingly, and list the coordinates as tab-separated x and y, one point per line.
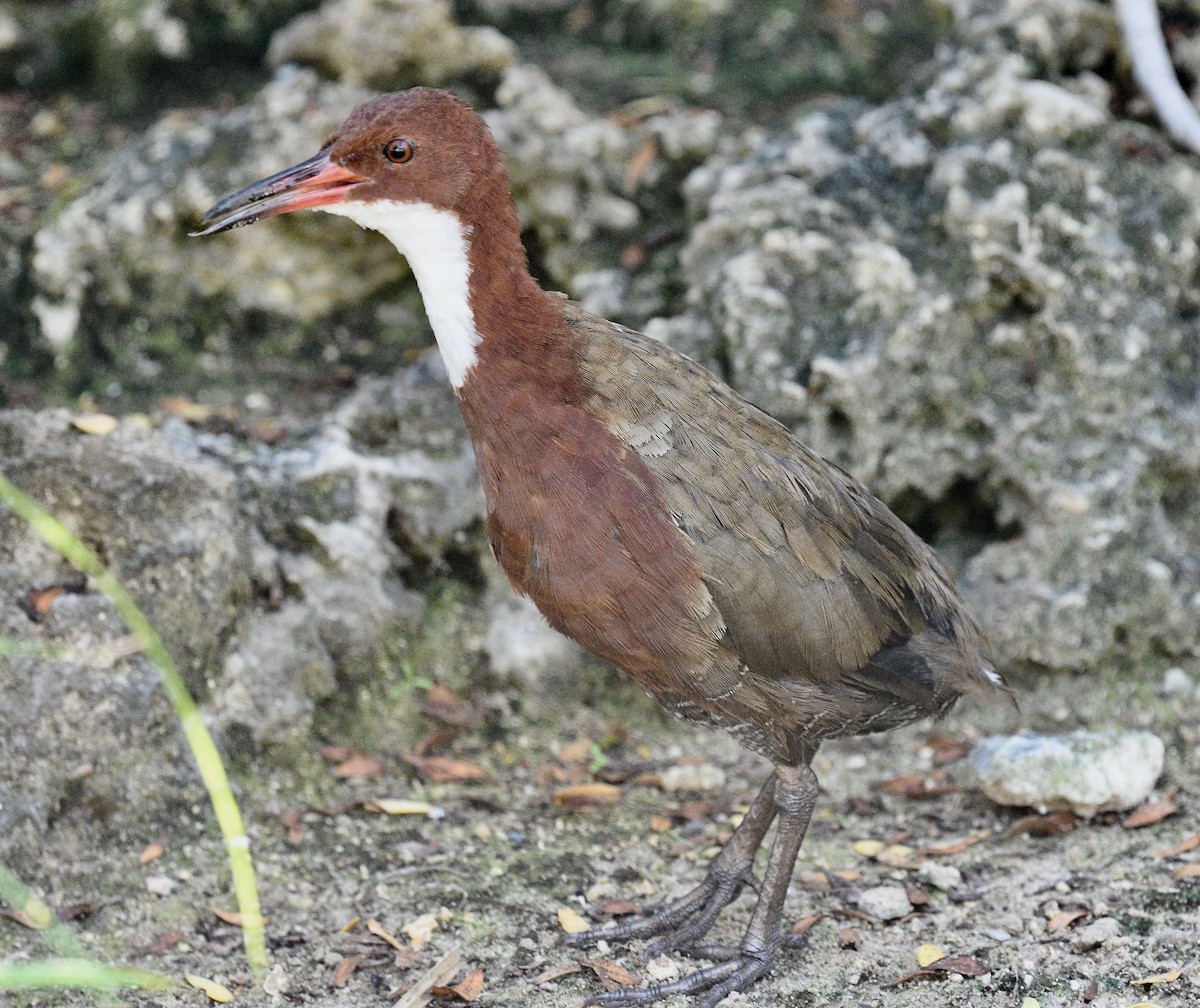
684	921
795	796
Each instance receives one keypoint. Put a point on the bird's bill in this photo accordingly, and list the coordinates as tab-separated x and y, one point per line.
319	181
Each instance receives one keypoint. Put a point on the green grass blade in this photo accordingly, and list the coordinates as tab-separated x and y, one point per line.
204	750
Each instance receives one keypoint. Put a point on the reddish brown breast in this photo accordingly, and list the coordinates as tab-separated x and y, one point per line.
580	525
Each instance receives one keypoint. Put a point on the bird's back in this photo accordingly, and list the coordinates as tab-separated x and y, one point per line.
838	619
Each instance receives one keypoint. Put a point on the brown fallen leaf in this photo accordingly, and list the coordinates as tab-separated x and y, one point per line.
336	753
1158	978
805	924
343	970
946	750
444	769
556	973
640	163
919	786
445	705
848	938
36	602
359	766
1053	824
618	907
917	896
151	852
1184	845
921	974
378	931
611	974
234	917
163	943
953	846
1065	918
575	752
660	823
1187	871
467	989
1150	813
581	796
398	806
964	965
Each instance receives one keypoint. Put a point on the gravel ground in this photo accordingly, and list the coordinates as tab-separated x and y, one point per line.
1066	919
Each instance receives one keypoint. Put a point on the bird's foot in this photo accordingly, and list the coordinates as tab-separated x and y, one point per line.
681	923
713	983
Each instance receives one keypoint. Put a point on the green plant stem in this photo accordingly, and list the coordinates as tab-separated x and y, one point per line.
76	973
204	750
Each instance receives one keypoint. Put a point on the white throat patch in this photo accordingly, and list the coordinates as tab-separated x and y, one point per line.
434	244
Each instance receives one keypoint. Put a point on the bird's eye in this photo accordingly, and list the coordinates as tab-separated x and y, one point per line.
399	151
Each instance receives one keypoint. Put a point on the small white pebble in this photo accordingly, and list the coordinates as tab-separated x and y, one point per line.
662	969
160	885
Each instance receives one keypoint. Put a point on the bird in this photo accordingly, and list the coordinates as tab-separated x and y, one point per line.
651	513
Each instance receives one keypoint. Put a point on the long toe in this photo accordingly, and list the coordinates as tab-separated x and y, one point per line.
714	983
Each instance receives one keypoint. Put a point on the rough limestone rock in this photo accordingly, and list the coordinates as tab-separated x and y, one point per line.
82	706
389	44
1086	772
979	298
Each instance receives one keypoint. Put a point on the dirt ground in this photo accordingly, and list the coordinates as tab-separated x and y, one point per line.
497	867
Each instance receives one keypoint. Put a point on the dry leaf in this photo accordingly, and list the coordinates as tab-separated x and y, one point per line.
163	942
358	766
659	823
805	924
443	703
556	973
1053	824
1158	978
640	163
342	971
581	796
921	974
377	930
234	917
152	852
1064	919
443	769
896	856
336	753
965	965
611	974
920	786
398	806
953	846
467	989
848	938
1185	845
1186	871
574	752
215	991
570	921
1150	813
419	931
917	896
618	907
868	848
927	954
98	424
